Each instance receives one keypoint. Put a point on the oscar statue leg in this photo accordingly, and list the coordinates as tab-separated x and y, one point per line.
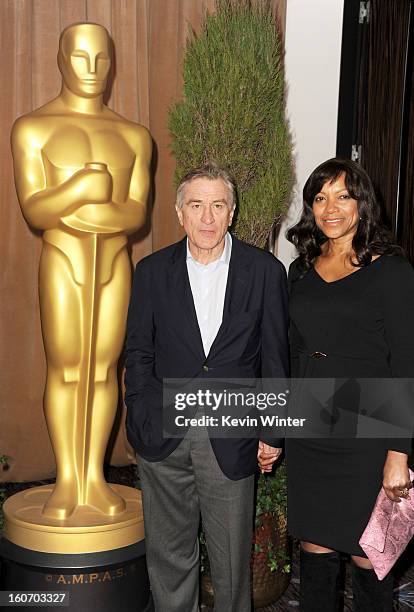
111	314
60	303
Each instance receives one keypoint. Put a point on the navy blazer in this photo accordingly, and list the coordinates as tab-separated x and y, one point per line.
164	341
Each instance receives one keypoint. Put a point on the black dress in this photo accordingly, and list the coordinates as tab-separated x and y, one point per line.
364	324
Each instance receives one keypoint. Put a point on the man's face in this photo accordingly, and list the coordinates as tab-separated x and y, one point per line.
84	60
205	214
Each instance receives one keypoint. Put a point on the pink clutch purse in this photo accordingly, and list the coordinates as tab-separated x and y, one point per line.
388	532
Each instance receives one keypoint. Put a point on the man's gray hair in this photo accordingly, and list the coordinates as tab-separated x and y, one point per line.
210	171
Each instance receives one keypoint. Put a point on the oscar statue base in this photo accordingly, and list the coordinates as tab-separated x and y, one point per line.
86	531
104	581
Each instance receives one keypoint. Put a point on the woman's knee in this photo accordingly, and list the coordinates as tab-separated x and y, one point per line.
362	562
315	548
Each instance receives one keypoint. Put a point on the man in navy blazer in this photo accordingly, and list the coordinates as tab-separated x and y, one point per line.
209	306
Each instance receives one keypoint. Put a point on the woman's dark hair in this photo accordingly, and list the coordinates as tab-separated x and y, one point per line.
371	236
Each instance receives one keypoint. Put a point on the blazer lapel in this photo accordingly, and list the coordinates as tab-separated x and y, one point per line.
181	284
237	283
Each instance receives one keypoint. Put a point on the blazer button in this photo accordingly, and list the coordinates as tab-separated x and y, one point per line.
318	355
205	368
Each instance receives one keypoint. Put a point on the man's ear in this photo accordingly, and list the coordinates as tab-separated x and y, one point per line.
179	214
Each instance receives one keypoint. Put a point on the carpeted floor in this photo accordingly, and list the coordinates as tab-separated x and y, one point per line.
404	584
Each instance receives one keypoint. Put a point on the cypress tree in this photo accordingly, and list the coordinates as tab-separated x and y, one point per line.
233	111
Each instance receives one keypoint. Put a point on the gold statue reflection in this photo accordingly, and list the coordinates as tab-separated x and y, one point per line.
82	176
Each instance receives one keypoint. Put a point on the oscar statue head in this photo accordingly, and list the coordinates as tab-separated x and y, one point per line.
84	59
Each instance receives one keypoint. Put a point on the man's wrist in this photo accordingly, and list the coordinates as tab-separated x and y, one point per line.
275	442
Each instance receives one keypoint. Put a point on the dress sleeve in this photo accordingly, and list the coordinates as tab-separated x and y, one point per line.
398	312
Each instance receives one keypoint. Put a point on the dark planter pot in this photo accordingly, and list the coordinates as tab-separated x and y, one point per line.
267	586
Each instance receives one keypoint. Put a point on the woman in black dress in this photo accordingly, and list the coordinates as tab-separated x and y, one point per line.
352	316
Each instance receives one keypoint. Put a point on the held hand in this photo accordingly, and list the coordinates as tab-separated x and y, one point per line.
396	482
266	456
94	184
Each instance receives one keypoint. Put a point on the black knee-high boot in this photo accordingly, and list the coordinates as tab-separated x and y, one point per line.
319	581
371	594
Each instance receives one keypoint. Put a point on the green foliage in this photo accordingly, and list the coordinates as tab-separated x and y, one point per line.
272	499
276	559
272	493
233	111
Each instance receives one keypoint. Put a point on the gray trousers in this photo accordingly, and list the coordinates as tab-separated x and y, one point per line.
175	491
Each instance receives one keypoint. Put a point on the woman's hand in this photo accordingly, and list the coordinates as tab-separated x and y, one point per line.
396	482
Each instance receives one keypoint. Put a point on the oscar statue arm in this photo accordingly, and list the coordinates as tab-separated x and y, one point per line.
130	214
43	207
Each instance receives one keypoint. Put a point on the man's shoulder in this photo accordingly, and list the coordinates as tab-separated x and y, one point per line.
161	256
33	129
136	134
27	126
258	257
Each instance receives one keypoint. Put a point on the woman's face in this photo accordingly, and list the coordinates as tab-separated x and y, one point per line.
335	211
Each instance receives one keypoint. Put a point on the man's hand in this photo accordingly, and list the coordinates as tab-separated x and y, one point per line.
94	185
266	456
396	481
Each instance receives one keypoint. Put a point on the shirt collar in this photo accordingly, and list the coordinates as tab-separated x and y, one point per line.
224	257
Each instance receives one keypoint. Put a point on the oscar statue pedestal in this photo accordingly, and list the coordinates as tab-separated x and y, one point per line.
97	559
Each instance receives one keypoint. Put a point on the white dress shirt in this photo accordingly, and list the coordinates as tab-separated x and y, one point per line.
208	285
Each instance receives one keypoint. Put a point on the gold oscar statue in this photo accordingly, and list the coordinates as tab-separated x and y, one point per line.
82	177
